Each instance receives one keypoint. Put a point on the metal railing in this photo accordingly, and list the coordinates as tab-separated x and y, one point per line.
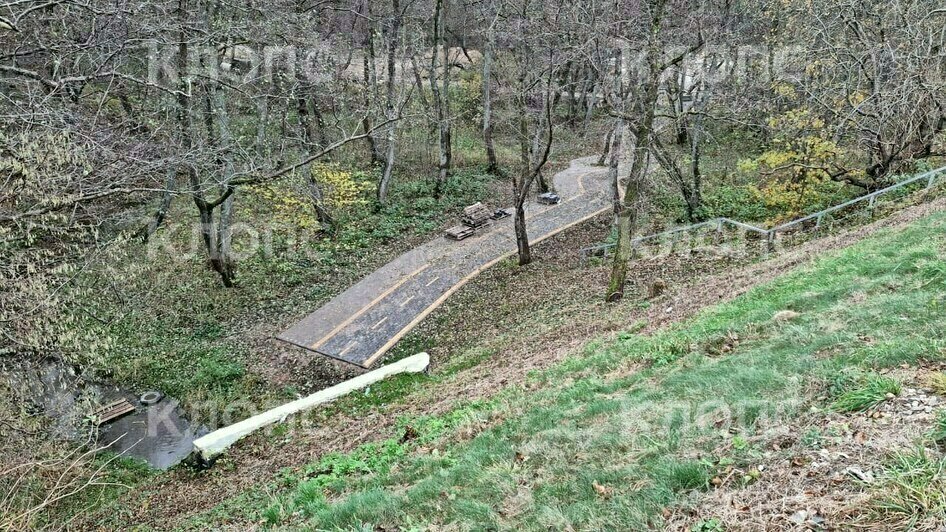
770	234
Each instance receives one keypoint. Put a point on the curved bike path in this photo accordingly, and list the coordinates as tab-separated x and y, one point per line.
362	323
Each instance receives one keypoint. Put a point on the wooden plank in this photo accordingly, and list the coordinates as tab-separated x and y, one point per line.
113	411
460	232
476	215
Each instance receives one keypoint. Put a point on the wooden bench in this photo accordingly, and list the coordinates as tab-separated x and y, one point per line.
460	232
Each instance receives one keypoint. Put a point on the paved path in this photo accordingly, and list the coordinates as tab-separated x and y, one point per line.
362	323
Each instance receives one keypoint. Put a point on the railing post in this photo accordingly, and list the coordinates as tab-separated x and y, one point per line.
770	242
929	184
870	206
818	222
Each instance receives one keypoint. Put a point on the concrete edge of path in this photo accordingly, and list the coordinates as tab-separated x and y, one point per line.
210	446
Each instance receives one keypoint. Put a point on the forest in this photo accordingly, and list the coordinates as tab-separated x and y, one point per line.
180	180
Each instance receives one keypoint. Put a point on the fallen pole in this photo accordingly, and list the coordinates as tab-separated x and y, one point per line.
210	446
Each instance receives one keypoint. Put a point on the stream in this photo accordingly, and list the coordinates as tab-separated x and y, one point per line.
158	434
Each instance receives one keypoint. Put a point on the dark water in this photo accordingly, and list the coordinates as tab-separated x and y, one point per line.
158	434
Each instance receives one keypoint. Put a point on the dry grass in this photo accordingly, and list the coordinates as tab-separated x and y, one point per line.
513	349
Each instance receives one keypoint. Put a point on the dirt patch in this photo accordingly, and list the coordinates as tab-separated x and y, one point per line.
498	310
817	473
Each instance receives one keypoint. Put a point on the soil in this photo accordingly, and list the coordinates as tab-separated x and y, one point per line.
560	287
823	485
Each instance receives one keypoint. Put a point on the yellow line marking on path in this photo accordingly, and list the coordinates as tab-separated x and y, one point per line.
406	301
420	317
376	325
365	308
351	344
432	281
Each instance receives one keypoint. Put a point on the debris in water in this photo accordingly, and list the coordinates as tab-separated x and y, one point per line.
151	398
112	411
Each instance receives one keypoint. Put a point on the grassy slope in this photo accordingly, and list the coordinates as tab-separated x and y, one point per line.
637	428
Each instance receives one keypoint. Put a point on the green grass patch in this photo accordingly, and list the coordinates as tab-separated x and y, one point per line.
911	491
938	433
857	393
588	451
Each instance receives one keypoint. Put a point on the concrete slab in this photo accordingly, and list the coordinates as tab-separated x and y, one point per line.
210	446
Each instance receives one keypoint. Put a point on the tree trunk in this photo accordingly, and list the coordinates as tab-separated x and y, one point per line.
447	100
626	219
308	131
227	193
532	156
695	199
322	214
311	132
689	184
185	124
321	138
225	237
536	140
384	184
262	108
523	184
369	85
211	237
616	138
675	95
588	96
626	208
390	112
571	84
522	238
441	98
606	148
492	166
170	185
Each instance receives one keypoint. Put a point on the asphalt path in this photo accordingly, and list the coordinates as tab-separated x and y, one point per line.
365	321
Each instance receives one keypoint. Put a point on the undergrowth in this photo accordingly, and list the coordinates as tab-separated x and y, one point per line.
587	451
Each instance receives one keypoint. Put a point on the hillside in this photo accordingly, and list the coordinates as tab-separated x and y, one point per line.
547	420
811	400
651	264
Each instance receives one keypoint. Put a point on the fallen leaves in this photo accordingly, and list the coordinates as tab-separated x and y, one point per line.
605	492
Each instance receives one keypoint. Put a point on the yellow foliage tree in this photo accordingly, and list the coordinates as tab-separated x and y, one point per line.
341	189
800	164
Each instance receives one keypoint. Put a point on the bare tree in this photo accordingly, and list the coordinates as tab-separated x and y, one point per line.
492	165
880	79
440	87
393	35
638	109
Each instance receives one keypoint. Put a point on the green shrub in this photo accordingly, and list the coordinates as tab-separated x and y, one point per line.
737	202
